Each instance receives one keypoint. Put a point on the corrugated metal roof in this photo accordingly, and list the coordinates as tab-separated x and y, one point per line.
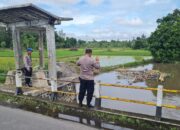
26	12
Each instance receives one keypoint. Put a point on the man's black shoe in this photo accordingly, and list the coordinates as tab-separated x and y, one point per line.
28	85
80	105
90	106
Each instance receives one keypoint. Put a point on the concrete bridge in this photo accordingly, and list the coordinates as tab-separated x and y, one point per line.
122	118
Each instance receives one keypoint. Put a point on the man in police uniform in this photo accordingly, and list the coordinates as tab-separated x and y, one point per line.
87	65
28	67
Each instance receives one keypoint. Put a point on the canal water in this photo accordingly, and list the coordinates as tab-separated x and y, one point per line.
172	82
113	77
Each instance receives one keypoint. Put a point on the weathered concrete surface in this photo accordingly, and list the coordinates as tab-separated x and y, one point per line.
65	70
40	82
10	80
16	119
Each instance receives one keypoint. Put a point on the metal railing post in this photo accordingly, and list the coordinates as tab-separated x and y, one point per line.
159	102
18	82
97	94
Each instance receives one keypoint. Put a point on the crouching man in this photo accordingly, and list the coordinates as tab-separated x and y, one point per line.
87	65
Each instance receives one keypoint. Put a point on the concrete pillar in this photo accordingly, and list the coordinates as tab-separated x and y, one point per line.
18	59
17	48
50	37
41	50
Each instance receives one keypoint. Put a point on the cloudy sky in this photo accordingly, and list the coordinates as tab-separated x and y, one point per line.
105	19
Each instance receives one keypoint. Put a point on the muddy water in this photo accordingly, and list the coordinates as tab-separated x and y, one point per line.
143	95
118	60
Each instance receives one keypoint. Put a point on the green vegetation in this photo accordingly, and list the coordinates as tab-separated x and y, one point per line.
130	64
5	38
30	39
140	42
165	41
122	52
97	51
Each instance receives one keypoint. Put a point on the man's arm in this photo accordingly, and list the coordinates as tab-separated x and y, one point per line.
78	62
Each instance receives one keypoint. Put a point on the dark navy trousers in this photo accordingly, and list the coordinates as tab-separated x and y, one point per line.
86	86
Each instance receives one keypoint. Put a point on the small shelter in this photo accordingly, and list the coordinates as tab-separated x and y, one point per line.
29	17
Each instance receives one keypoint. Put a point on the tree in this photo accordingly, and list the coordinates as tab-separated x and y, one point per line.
29	40
5	37
3	44
140	42
165	40
81	42
60	41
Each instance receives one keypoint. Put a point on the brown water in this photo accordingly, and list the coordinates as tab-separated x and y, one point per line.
119	60
172	82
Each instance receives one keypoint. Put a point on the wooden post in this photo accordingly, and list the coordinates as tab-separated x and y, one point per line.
97	94
50	36
18	59
159	102
41	50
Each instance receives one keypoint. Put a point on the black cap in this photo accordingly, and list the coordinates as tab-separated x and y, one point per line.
88	50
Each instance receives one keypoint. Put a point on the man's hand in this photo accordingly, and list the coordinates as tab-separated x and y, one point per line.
97	59
28	68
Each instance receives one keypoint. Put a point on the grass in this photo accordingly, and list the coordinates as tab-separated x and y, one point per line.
122	52
60	53
130	64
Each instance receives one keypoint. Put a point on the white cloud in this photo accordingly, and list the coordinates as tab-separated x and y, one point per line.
110	34
130	22
81	20
152	2
148	2
95	2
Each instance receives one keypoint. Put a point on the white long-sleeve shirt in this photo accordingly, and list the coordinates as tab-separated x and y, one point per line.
27	62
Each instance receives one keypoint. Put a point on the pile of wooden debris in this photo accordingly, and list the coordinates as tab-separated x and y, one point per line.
142	75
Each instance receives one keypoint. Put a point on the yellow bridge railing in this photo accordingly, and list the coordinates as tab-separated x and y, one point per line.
138	87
